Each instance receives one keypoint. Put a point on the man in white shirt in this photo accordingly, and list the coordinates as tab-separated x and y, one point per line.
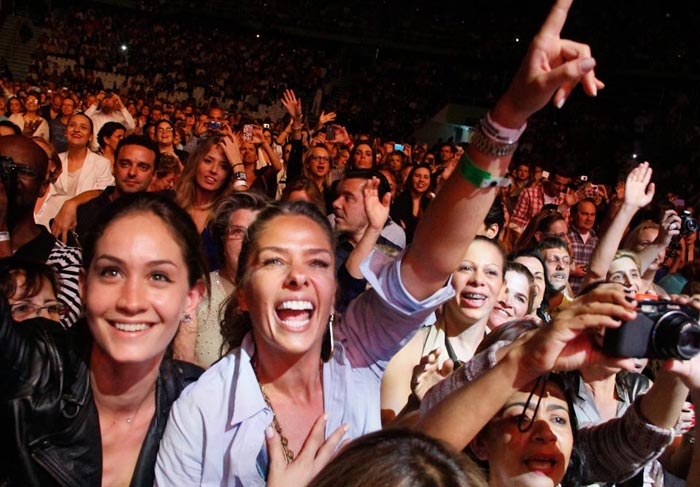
111	110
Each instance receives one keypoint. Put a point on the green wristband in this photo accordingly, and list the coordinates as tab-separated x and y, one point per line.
478	177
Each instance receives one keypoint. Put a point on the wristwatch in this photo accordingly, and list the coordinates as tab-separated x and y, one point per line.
486	145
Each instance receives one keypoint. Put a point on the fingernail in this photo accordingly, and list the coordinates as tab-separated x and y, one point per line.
269	432
561	101
587	64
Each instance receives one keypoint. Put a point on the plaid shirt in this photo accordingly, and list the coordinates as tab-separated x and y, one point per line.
530	203
581	252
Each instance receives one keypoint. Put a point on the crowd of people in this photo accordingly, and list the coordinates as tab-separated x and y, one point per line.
257	292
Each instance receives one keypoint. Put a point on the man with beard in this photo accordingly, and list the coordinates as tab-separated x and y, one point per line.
557	265
24	180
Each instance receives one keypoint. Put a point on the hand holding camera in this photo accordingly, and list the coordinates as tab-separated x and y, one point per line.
253	133
688	225
214	125
663	329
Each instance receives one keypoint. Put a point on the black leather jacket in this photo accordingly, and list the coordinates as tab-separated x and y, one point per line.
48	418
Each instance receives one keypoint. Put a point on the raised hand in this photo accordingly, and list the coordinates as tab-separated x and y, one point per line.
326	117
551	70
258	137
571	197
377	210
639	191
292	104
670	227
568	342
314	455
231	147
341	135
428	373
620	190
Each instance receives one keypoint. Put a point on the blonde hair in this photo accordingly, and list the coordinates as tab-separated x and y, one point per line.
624	253
186	185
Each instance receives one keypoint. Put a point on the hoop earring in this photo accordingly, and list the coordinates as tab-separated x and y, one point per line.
328	341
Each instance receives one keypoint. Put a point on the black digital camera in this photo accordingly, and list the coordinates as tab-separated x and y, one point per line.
689	225
662	330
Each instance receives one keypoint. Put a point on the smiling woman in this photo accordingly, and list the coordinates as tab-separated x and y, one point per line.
205	182
83	170
104	387
291	358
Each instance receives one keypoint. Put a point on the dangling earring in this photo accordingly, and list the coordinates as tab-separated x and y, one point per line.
328	342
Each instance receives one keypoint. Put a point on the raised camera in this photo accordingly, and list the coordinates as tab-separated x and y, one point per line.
214	125
662	330
689	225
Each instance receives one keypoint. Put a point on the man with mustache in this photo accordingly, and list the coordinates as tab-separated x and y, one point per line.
557	265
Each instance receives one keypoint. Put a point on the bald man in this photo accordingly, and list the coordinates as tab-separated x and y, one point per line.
24	180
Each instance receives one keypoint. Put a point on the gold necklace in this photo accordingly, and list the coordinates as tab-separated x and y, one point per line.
286	451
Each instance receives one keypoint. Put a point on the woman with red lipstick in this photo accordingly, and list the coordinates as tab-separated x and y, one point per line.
88	406
411	203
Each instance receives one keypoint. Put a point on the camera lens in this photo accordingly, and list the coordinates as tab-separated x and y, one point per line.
690	225
676	335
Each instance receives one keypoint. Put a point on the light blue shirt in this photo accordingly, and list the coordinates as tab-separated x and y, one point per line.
216	431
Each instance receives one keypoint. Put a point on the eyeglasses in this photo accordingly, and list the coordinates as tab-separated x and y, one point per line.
555	259
236	232
165	129
24	310
9	166
320	158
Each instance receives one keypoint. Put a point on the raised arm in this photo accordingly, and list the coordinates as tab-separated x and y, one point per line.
293	106
689	373
638	193
565	343
550	71
271	154
377	212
